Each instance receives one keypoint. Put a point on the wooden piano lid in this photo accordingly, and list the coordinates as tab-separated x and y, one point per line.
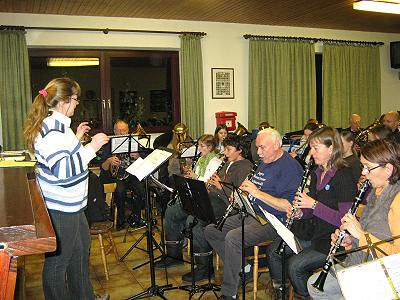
24	221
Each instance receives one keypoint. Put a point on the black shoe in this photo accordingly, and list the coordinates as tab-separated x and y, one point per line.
120	226
199	274
248	277
167	262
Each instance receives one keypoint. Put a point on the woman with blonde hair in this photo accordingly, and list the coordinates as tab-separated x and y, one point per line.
62	173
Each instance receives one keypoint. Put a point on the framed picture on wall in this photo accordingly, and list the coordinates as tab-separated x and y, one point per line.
222	82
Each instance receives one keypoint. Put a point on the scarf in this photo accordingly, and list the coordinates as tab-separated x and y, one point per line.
202	163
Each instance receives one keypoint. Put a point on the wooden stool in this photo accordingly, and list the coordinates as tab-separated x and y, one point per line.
100	228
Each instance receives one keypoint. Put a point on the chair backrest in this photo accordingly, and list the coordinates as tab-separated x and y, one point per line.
109	189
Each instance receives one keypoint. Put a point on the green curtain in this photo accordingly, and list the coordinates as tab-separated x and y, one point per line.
192	97
281	83
351	84
15	91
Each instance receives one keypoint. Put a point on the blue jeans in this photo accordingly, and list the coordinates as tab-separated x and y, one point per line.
298	267
66	271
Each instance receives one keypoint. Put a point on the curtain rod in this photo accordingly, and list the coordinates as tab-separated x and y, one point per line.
105	30
314	40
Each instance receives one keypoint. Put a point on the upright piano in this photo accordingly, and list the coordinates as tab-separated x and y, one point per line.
25	226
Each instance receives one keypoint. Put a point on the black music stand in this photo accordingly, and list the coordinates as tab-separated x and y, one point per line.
245	209
142	169
195	201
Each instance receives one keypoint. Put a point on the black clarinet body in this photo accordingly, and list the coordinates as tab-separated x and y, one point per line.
319	283
300	189
231	206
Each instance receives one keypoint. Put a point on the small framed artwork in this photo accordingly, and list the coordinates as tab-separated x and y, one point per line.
222	82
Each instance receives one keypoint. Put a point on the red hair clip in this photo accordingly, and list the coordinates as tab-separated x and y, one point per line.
43	92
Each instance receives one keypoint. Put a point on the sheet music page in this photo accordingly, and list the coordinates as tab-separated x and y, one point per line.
143	167
189	152
372	282
283	232
120	144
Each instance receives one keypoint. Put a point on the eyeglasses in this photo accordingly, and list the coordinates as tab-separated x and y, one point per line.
76	99
370	169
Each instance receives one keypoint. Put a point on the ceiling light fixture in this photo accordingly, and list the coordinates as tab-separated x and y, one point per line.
72	62
388	6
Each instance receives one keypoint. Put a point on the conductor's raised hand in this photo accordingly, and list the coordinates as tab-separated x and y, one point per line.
82	129
98	141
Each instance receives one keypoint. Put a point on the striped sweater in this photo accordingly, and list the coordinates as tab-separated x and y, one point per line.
62	165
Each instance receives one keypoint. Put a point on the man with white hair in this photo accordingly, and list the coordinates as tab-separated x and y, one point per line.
273	188
391	121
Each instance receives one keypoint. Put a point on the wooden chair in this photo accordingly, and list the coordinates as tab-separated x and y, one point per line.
109	189
100	228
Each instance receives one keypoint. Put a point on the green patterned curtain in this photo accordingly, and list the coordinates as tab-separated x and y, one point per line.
351	83
281	83
15	91
192	97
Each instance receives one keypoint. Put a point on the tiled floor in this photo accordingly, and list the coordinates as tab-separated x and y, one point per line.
125	282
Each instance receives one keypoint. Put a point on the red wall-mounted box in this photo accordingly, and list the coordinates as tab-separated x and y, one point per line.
228	118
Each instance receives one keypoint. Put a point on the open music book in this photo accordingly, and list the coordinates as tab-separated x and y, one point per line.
377	279
141	168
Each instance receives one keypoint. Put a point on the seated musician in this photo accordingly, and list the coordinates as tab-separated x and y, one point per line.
331	192
221	131
302	152
235	170
380	218
273	187
124	182
350	155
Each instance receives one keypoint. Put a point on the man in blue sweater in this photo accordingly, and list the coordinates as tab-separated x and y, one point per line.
273	188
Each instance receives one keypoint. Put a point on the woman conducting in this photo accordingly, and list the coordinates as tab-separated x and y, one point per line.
62	172
331	192
380	218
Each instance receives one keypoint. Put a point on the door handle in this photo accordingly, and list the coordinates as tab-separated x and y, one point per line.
109	103
104	103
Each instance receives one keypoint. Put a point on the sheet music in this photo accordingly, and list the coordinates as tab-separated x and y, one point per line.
372	280
189	152
120	144
283	232
143	167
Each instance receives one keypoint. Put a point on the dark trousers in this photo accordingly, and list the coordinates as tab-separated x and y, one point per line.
176	219
132	183
228	244
66	271
298	267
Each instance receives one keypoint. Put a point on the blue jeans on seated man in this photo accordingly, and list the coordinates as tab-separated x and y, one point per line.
298	267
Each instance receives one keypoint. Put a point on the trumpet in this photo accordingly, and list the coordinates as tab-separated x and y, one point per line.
231	206
319	283
300	189
223	163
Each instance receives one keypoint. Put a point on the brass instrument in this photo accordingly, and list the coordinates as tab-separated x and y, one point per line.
231	206
300	189
319	283
241	130
119	172
362	137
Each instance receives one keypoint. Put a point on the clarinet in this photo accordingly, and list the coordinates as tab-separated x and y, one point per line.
319	283
300	189
231	206
223	163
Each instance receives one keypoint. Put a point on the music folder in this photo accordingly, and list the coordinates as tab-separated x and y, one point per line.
141	168
283	232
377	279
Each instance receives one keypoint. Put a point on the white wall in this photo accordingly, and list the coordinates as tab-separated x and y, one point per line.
224	46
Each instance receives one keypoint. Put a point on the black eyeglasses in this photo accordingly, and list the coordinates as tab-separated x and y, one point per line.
370	169
76	99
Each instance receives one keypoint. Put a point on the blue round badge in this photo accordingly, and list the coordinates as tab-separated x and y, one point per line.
327	187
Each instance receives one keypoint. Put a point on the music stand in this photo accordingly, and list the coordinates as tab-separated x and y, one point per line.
195	201
142	168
